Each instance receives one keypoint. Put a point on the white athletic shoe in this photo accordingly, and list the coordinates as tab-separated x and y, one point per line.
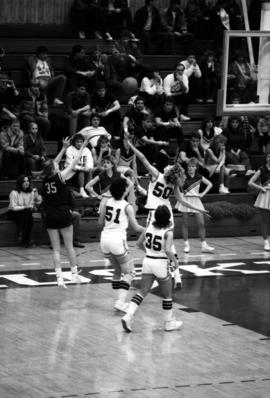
126	323
186	247
207	249
223	190
121	306
266	246
75	278
173	324
83	193
61	283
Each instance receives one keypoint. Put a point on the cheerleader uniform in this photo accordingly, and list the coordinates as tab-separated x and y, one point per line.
191	189
263	198
55	194
126	159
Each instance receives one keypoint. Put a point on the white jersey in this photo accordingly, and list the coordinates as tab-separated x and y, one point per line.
155	242
159	192
116	219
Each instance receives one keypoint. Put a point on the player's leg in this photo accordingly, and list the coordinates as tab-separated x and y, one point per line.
55	243
67	234
170	323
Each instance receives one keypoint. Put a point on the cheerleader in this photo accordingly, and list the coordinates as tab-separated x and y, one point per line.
263	198
192	194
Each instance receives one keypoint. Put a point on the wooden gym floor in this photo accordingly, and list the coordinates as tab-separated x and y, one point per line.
70	343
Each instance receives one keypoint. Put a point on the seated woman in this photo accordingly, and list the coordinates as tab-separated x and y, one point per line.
102	149
22	201
208	132
237	158
215	158
81	173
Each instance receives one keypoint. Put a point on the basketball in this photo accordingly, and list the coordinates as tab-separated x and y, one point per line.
130	85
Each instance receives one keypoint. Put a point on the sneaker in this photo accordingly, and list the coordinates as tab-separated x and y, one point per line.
81	34
121	306
108	36
199	100
134	38
223	190
173	324
184	118
126	323
83	193
98	35
207	249
186	247
75	278
210	101
250	172
61	283
57	101
266	246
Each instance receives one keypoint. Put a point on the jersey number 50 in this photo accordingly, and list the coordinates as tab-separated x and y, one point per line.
161	191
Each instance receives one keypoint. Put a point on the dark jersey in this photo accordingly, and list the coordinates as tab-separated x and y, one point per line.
56	202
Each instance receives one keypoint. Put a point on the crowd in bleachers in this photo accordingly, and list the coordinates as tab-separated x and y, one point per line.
92	85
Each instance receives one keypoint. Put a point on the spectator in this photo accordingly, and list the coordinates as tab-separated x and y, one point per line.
152	89
246	78
40	70
208	17
9	98
134	116
236	146
103	70
23	200
168	125
87	18
107	107
193	15
117	16
176	85
94	131
208	132
34	108
34	149
101	150
194	74
174	20
210	68
77	68
221	23
192	149
215	162
149	27
78	108
11	142
81	173
263	127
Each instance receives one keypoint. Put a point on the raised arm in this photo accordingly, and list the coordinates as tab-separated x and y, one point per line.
151	169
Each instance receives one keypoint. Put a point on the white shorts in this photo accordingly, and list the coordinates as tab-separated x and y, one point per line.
116	246
157	267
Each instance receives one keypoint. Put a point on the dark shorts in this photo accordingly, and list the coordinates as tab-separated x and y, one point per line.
58	218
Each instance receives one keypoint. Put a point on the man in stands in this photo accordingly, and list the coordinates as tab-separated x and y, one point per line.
78	108
40	70
12	148
176	86
194	74
9	98
34	108
149	27
94	131
107	106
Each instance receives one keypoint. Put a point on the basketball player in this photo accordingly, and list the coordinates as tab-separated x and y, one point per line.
157	242
57	213
116	213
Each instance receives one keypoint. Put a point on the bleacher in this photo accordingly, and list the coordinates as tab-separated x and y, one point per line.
20	43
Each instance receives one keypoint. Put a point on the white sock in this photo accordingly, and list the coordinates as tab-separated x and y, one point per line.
58	272
167	315
74	269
